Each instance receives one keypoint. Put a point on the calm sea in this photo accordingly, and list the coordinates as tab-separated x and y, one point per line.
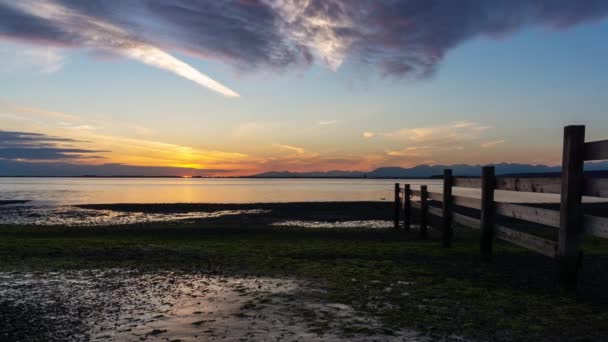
66	191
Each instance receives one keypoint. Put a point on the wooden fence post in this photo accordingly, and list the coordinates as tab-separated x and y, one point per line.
571	213
407	211
397	205
488	184
447	232
424	208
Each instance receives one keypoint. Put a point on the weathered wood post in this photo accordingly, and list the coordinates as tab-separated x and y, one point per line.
488	184
447	231
397	205
424	209
571	213
407	211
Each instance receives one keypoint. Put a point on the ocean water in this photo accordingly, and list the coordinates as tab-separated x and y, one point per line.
51	200
69	191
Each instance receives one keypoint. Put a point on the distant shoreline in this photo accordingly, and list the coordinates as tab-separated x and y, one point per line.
594	173
218	177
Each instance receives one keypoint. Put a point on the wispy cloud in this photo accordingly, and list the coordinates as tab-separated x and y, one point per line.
397	38
142	151
32	111
327	122
490	144
40	59
410	152
298	150
414	145
369	135
99	34
441	134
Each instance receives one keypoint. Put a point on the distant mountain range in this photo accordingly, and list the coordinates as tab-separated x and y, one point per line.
427	171
10	168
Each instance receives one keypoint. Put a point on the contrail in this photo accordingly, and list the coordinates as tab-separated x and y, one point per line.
98	34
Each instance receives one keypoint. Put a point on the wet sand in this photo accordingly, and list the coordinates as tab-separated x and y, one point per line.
304	214
320	271
338	211
130	214
128	305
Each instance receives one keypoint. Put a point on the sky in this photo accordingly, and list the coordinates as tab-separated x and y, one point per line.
238	87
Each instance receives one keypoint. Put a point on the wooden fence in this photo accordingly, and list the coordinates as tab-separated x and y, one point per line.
570	220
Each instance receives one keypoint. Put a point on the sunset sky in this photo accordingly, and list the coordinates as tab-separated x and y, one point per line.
245	86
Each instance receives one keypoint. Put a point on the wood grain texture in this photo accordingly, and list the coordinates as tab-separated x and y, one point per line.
528	241
537	215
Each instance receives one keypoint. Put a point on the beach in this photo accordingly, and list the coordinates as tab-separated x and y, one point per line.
239	276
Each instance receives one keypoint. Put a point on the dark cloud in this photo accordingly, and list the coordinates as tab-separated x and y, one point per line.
398	37
246	33
34	154
25	138
45	153
62	169
40	147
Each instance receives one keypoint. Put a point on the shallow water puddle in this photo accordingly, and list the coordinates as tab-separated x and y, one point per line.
74	216
127	305
339	224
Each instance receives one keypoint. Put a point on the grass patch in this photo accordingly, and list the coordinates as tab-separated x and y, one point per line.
405	281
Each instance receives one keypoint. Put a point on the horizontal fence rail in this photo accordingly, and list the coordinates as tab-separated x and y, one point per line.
435	211
535	243
538	185
595	187
468	202
463	182
436	196
570	220
596	150
596	226
466	221
531	214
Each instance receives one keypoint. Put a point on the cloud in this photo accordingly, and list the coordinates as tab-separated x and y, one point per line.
492	143
26	168
430	143
368	135
23	110
42	59
451	134
327	122
41	147
397	38
8	138
70	26
297	150
410	152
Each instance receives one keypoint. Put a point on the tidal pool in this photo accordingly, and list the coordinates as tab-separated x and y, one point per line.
75	216
129	305
379	224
